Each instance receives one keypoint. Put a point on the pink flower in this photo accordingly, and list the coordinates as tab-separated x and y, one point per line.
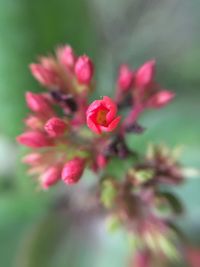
73	170
38	103
66	56
50	177
45	75
84	70
55	127
34	139
145	74
125	78
160	99
101	115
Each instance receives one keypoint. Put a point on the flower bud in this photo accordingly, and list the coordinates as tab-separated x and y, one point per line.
55	127
125	78
160	99
73	170
50	177
46	76
84	70
145	74
34	122
34	139
38	103
32	159
66	56
101	161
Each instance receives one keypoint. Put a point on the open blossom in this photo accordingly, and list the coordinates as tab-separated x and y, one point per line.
101	115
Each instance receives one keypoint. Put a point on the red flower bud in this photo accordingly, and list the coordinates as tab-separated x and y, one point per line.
145	74
46	76
66	56
50	177
73	170
160	99
55	127
101	115
34	139
125	77
32	159
37	103
84	70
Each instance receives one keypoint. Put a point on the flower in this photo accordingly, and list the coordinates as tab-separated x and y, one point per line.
145	74
44	74
84	70
66	56
73	170
34	139
55	127
101	115
50	177
125	77
38	103
160	99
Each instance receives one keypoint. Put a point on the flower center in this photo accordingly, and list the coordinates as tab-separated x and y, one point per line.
101	117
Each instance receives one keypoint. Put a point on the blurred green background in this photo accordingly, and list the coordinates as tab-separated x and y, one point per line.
35	231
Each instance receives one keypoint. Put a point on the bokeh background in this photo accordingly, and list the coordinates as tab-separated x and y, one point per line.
35	229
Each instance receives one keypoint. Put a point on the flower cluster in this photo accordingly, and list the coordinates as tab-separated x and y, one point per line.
66	134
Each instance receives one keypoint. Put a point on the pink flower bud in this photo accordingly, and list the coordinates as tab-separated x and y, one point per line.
46	76
145	74
38	103
32	159
101	115
55	127
125	78
50	177
84	70
73	170
160	99
34	139
101	161
34	122
66	56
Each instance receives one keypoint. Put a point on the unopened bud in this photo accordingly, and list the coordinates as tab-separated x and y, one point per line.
160	99
84	70
66	56
50	177
34	122
38	103
125	78
32	159
145	74
55	127
34	139
73	170
46	76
